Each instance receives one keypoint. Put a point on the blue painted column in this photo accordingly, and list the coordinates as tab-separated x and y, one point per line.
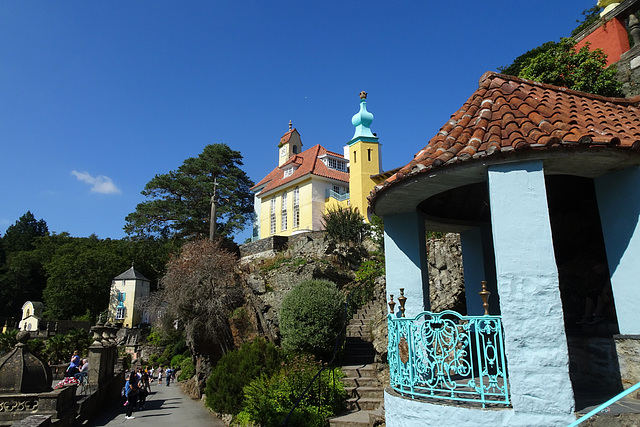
405	253
619	205
527	280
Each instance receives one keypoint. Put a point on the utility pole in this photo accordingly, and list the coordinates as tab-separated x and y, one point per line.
212	221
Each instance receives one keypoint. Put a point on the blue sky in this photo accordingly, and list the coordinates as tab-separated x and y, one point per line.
97	97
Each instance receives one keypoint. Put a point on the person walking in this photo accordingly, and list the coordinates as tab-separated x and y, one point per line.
160	375
168	376
132	389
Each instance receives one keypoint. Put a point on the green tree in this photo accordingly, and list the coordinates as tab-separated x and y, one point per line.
79	277
590	15
523	60
22	235
311	317
584	70
179	202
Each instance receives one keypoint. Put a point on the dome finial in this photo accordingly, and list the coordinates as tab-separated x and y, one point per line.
362	119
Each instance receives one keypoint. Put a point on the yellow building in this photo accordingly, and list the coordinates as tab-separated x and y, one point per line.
293	197
126	289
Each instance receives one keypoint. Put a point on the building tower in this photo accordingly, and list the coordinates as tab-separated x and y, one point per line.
364	158
290	145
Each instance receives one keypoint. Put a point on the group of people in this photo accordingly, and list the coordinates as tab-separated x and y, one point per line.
138	386
76	372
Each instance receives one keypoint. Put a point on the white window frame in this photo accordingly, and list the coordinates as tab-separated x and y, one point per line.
273	216
120	313
284	212
296	207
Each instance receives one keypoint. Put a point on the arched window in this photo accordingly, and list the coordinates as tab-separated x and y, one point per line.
296	207
284	211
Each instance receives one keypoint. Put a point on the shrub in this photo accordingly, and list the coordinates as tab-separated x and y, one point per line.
311	317
235	370
176	360
187	369
269	400
345	225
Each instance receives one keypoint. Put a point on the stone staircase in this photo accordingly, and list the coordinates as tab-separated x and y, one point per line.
366	402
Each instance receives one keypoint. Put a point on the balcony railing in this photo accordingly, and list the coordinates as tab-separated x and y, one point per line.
448	356
339	197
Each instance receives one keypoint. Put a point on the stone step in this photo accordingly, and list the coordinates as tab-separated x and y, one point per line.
360	382
352	419
365	392
359	359
359	371
366	404
361	322
359	328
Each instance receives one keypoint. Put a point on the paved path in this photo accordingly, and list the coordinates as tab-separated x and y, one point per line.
165	407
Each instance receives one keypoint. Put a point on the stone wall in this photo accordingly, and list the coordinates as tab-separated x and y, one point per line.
269	245
629	72
628	351
446	276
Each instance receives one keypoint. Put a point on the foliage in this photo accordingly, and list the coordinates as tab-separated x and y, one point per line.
523	60
236	369
176	360
22	235
311	317
268	400
345	225
187	369
582	69
179	202
55	349
8	340
377	232
370	270
591	15
59	348
200	289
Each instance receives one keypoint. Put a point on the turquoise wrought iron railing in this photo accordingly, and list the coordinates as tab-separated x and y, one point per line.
448	356
339	197
604	406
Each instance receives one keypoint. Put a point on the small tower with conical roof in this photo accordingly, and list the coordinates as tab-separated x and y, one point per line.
364	158
290	145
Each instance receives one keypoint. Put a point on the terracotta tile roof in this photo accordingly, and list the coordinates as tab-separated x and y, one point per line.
307	164
508	115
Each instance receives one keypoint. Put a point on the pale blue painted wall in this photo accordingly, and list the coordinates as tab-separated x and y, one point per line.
406	260
619	205
473	264
527	280
479	265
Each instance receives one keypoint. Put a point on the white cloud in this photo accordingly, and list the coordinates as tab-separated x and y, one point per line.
99	184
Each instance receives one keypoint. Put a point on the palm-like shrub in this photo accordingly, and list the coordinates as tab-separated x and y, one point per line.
311	318
345	225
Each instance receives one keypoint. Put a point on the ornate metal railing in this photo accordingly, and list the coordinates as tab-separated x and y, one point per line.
448	356
328	193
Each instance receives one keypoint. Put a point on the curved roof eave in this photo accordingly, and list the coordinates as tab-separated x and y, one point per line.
509	119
